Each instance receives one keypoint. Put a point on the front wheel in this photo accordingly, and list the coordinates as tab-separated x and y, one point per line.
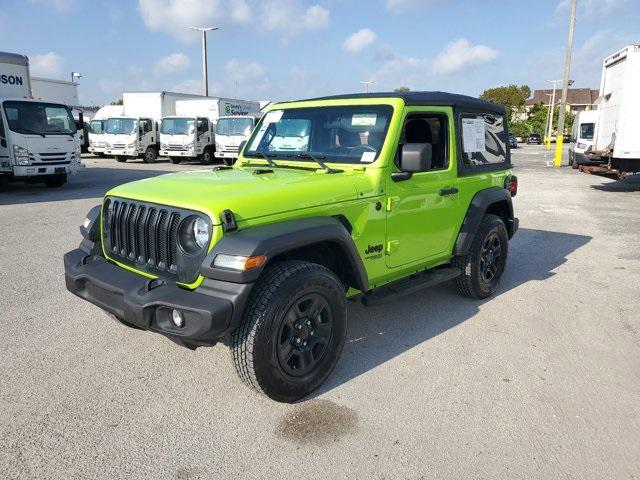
56	181
483	266
150	155
120	158
207	157
175	160
292	332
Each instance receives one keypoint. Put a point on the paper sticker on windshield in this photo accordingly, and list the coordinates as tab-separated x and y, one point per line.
273	117
368	157
473	135
363	120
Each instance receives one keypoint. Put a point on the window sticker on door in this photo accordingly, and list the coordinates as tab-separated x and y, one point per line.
368	157
363	120
473	135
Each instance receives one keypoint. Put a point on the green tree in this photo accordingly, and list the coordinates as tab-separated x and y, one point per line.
520	128
511	96
118	102
402	89
537	120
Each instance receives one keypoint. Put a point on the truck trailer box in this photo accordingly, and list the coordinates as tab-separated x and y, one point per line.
153	105
15	81
58	91
619	106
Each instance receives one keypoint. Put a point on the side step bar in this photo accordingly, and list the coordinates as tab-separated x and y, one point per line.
409	285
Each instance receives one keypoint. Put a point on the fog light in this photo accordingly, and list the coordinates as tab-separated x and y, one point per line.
177	318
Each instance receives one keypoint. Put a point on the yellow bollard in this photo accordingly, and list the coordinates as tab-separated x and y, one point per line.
557	161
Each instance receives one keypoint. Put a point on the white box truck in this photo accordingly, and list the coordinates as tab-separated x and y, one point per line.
38	138
582	138
135	132
97	125
617	139
59	91
234	127
191	133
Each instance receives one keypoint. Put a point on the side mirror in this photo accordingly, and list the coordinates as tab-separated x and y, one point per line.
3	143
416	157
241	146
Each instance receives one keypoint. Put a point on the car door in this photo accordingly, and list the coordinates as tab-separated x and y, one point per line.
4	147
421	209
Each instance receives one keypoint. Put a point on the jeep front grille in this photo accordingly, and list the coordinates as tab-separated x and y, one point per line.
144	236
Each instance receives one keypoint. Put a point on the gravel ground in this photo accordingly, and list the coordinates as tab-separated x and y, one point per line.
541	381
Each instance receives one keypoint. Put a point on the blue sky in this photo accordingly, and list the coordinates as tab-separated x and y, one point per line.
286	49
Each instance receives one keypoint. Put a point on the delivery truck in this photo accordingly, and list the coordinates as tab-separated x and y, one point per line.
617	138
582	138
192	134
97	125
234	127
134	133
38	138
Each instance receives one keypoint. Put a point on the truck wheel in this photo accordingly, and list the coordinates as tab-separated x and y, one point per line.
207	156
150	155
4	183
574	163
483	266
120	159
292	332
175	160
56	181
228	161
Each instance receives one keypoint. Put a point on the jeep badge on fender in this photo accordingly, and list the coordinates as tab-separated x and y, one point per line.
309	230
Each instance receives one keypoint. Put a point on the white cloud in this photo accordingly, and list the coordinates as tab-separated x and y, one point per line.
406	5
289	17
461	54
46	65
172	63
176	16
403	71
358	41
62	6
316	17
244	72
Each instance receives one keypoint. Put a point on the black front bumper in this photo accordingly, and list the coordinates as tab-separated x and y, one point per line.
210	312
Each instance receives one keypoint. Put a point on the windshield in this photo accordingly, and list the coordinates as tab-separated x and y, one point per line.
177	126
96	126
121	126
350	134
234	126
586	130
39	118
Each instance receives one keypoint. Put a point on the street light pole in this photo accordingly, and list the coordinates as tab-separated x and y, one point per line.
205	75
552	106
565	85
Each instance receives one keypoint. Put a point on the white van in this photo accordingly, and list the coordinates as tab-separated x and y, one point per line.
582	139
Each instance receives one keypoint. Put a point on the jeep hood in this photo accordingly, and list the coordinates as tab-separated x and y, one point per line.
247	193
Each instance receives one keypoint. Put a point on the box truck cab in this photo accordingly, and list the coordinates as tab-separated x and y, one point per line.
189	134
38	139
231	131
97	128
582	138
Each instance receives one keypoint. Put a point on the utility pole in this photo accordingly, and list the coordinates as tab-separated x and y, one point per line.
552	106
557	162
205	76
366	85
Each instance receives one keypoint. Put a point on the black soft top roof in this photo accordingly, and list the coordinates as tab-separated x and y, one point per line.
427	98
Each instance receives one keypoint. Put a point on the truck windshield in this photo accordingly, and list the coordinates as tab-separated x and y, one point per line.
177	126
96	126
121	126
39	118
586	130
350	134
234	126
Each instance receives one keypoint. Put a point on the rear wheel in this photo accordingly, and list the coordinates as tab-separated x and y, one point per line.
175	160
150	155
292	332
56	181
483	266
4	183
120	159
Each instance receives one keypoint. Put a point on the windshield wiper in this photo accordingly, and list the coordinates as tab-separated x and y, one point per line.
266	157
318	159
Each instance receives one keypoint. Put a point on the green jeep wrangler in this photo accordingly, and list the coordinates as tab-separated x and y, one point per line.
368	196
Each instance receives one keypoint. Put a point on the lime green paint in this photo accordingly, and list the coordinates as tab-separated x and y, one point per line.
416	226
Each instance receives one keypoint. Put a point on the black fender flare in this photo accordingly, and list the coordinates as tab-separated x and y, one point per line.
477	209
277	238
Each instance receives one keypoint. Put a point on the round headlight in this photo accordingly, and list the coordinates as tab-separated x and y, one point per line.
201	232
193	235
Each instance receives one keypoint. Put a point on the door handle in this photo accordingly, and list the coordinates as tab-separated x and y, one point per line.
448	191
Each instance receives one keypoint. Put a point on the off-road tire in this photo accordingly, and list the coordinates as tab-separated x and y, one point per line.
56	181
120	159
255	343
207	156
471	283
175	160
150	155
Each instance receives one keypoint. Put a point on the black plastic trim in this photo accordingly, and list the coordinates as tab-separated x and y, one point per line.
92	231
277	238
477	209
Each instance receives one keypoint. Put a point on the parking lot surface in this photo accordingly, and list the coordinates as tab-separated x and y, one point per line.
540	381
